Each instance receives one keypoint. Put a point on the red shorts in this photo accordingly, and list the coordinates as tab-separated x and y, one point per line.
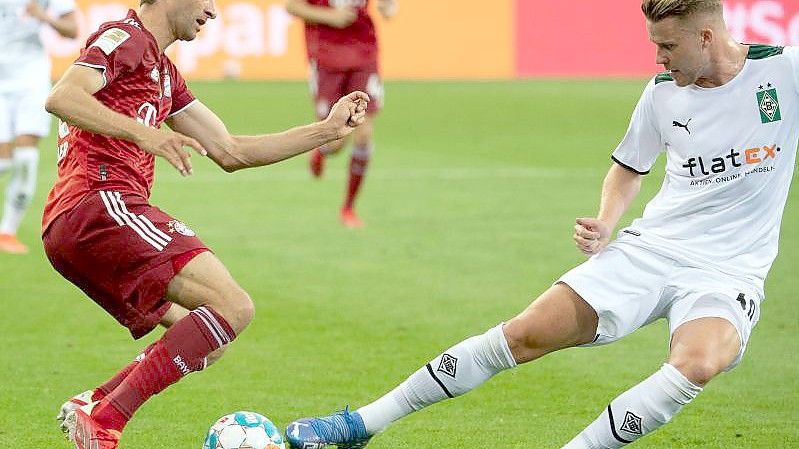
327	86
122	252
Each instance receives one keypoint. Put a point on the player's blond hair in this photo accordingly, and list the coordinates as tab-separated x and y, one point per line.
657	10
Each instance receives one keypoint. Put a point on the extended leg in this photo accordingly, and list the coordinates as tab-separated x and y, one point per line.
362	149
19	192
700	350
219	310
557	319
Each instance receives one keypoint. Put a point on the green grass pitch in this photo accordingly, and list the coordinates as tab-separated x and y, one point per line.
469	205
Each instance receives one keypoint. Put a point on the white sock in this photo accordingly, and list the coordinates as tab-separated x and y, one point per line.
458	370
638	411
20	189
5	165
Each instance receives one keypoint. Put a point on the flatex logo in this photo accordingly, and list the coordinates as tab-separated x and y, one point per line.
698	166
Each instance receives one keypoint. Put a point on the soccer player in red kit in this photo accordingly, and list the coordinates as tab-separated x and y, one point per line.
137	262
342	54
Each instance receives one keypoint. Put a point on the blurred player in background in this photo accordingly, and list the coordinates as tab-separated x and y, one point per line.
101	233
24	85
342	54
727	116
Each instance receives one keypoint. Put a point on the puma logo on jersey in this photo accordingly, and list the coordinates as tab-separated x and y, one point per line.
677	124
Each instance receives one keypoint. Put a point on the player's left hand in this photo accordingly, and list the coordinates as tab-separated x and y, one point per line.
387	8
35	10
591	235
348	113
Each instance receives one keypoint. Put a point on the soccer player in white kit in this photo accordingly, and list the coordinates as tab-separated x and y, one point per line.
24	86
726	116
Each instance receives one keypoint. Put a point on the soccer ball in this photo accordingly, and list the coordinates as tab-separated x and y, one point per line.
243	430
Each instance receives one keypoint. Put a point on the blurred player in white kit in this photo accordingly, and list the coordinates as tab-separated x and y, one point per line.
24	86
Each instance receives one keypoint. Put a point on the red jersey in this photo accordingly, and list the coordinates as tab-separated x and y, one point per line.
140	82
354	47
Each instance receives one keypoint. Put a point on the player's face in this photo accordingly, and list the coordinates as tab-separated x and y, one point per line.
682	48
190	16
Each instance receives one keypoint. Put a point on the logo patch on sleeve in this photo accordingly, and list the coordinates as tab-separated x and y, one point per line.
110	40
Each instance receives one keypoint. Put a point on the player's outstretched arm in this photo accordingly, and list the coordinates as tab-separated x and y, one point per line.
72	100
66	25
335	17
620	187
236	152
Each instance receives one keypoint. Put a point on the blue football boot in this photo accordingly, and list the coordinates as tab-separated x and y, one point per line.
343	430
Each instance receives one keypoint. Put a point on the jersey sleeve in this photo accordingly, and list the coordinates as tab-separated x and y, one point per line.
642	144
115	51
181	95
792	53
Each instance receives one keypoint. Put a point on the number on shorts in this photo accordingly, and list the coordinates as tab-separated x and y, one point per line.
751	313
752	305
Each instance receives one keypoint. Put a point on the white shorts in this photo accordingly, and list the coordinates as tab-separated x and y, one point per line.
629	287
22	113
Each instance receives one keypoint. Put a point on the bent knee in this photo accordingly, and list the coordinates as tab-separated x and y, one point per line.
216	355
520	338
237	308
243	309
697	368
558	319
525	343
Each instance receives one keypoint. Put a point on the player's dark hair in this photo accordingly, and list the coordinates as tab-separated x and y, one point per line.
657	10
149	2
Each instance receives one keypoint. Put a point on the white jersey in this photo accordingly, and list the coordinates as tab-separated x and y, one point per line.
23	60
731	153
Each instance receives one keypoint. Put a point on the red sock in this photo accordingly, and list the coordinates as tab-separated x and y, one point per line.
182	350
109	386
358	165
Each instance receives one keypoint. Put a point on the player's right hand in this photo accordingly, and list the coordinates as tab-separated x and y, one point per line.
342	17
348	113
35	10
169	145
591	235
